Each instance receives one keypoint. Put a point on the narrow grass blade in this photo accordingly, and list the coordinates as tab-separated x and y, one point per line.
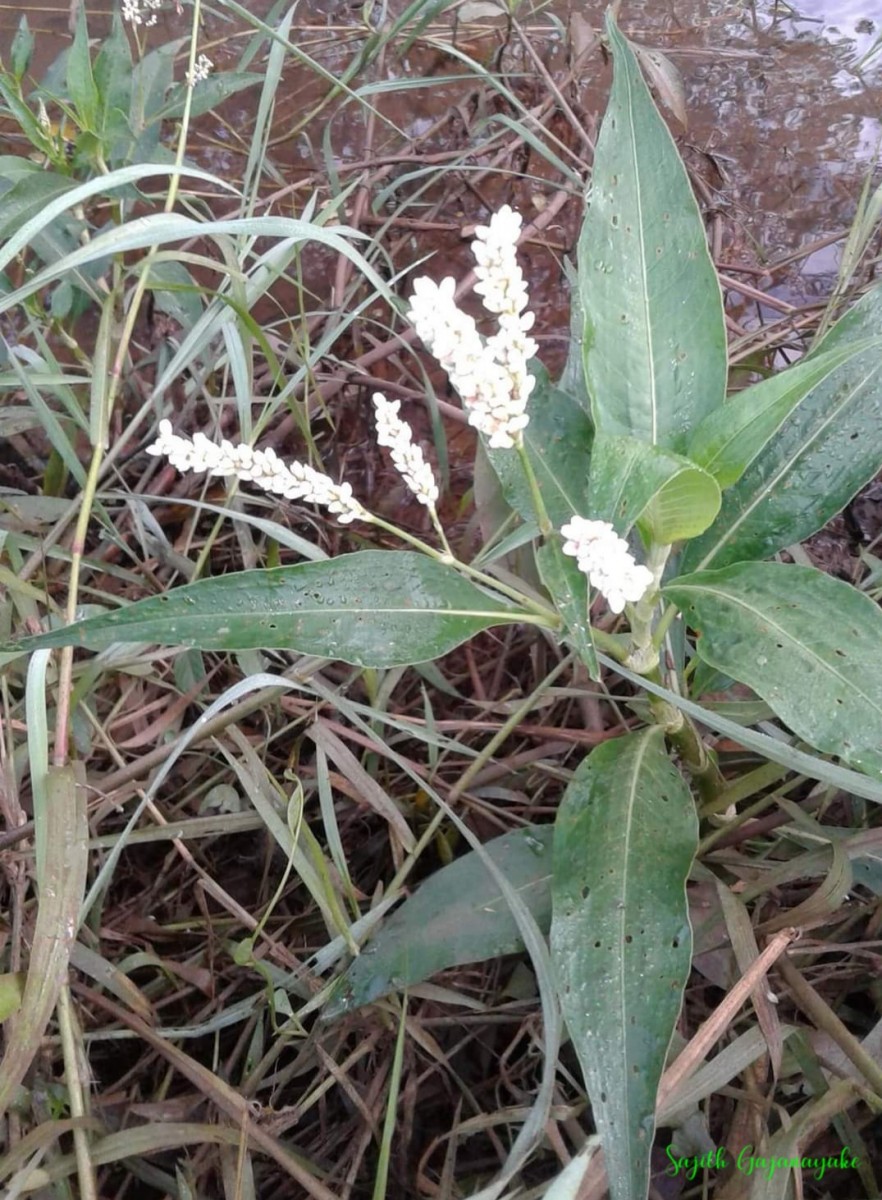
62	859
93	187
771	748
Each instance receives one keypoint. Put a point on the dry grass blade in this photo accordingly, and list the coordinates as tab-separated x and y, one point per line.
746	952
224	1097
62	883
721	1018
367	787
132	1143
826	1019
19	1163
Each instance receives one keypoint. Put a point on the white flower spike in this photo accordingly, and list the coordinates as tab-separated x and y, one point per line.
140	12
605	558
294	481
202	68
491	377
397	436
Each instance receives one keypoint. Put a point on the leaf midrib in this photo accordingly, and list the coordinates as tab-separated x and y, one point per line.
647	321
706	589
623	916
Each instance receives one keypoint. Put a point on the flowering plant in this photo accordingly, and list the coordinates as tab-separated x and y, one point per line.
643	482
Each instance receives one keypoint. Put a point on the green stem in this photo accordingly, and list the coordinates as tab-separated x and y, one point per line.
548	616
683	735
615	645
664	623
545	525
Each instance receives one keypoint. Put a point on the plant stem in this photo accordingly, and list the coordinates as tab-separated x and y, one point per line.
548	615
542	517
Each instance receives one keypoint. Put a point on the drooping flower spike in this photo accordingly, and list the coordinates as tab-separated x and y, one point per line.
294	481
491	376
605	558
397	436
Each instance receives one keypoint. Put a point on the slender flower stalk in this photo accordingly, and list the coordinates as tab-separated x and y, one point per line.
491	377
605	558
294	481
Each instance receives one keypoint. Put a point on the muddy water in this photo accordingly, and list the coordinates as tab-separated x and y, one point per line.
784	108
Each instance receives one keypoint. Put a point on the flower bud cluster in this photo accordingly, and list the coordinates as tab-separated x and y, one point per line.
294	481
605	558
491	377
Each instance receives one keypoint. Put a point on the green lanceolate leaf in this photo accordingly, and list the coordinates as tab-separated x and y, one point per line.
624	841
568	588
634	482
826	448
29	196
558	442
729	439
654	344
457	916
808	644
80	80
113	78
375	608
207	94
22	115
22	49
572	379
